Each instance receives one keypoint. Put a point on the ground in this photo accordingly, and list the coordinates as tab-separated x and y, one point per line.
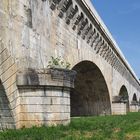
125	127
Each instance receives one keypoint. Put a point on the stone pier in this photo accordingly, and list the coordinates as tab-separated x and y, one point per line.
44	97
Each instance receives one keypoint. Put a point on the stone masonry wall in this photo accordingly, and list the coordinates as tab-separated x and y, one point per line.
30	33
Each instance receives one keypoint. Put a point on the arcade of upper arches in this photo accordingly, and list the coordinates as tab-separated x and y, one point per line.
85	24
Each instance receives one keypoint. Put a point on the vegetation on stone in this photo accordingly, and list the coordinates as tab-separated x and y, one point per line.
58	62
125	127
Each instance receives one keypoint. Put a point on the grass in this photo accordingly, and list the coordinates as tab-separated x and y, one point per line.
125	127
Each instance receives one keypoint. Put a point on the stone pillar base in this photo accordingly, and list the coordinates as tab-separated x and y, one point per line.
44	98
119	109
42	106
134	108
119	105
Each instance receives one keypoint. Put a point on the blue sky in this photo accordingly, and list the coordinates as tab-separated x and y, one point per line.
122	17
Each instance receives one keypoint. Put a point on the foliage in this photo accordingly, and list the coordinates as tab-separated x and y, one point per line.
58	62
125	127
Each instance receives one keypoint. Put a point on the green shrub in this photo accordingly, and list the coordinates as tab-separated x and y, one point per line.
58	62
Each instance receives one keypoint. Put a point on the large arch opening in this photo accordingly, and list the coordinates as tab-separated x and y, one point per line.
124	97
90	95
6	117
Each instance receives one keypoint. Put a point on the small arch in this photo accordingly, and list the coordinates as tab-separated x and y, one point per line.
103	48
108	47
67	4
100	46
134	98
139	104
123	93
76	8
134	103
94	30
86	20
103	43
101	38
98	42
82	15
80	18
124	97
91	26
77	20
105	51
97	35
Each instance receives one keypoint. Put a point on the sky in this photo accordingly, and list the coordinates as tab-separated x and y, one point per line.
122	18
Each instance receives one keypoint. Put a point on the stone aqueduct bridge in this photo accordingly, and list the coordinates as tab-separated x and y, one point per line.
31	31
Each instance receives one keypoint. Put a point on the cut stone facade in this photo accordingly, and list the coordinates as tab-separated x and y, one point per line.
31	31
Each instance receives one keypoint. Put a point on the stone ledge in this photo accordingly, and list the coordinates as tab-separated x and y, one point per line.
54	77
119	99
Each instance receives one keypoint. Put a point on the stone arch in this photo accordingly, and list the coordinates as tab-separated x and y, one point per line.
134	103
8	87
139	105
123	93
124	97
134	98
90	95
6	115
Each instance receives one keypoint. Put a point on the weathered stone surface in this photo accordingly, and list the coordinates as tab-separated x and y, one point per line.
31	31
119	108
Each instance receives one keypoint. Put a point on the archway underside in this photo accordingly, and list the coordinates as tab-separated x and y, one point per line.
6	117
90	95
